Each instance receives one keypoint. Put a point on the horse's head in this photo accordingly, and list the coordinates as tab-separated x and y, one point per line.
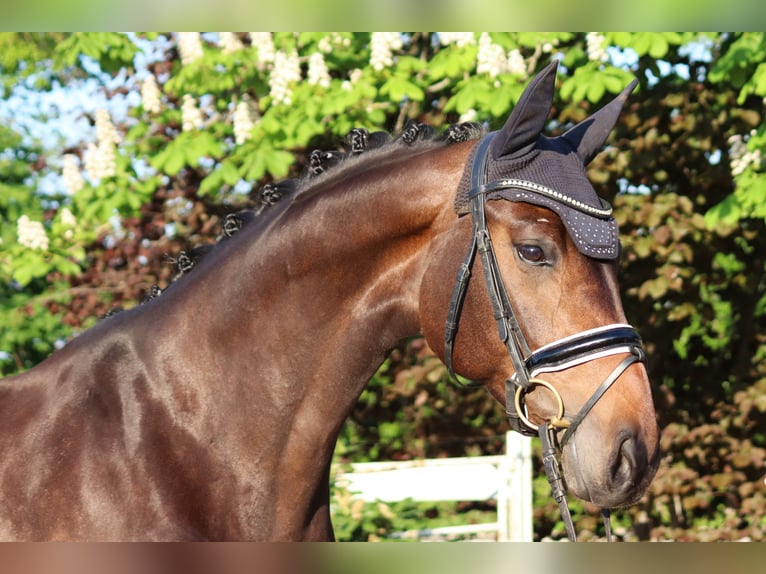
565	354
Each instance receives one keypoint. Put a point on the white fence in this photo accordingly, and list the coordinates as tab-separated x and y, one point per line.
506	478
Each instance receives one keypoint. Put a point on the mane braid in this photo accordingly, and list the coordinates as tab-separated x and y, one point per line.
111	312
188	260
154	292
320	161
359	140
466	131
271	193
415	131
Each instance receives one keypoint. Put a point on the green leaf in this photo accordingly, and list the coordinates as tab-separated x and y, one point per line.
504	97
399	89
229	172
642	42
407	65
201	144
171	159
270	122
596	90
747	51
255	167
658	47
619	38
577	86
278	162
31	265
175	161
212	183
729	263
759	80
112	50
615	79
67	267
470	94
452	62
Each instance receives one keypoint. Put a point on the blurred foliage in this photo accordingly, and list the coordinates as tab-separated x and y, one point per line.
684	170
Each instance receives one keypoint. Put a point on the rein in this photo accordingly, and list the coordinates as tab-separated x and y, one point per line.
557	356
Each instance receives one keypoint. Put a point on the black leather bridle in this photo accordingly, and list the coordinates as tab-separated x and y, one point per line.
557	356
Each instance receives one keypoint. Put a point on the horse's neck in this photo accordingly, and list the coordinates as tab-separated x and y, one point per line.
361	245
335	279
306	309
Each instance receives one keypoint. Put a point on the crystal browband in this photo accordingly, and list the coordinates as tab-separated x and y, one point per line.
524	185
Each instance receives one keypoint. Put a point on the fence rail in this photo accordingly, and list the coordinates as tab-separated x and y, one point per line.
506	478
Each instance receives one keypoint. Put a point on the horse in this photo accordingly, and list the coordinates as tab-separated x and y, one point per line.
211	411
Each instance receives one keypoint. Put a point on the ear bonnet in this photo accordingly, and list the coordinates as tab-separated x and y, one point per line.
550	172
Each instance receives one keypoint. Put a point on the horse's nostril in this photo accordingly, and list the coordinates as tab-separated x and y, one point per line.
629	462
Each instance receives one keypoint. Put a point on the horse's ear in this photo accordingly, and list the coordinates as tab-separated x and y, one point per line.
528	118
587	137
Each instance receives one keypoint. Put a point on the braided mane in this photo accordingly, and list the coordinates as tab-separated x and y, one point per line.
359	146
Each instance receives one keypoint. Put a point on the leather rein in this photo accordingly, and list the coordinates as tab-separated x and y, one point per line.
557	356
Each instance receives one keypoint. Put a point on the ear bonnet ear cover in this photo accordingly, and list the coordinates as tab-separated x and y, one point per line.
520	151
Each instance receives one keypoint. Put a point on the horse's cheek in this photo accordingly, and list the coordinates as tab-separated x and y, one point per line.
476	344
435	293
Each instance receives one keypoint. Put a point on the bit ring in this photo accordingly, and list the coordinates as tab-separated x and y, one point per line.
557	420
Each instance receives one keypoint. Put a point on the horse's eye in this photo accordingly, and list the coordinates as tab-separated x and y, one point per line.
533	254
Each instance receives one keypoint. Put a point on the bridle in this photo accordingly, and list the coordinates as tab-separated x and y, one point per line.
556	356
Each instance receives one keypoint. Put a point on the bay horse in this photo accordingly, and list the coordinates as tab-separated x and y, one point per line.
211	411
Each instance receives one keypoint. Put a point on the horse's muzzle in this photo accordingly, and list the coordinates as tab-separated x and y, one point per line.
620	479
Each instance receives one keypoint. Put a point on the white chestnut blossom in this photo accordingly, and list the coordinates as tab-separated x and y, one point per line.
491	57
189	47
326	44
191	117
595	46
100	161
382	47
286	71
105	130
150	94
741	158
101	157
67	217
68	220
70	173
318	74
516	63
265	45
460	39
353	77
230	42
93	163
31	234
243	122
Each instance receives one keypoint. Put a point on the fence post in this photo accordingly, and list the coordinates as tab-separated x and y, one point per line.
514	500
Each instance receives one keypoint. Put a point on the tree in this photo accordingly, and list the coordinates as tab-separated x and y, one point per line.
212	118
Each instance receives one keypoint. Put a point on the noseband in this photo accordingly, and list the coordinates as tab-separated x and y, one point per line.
557	356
